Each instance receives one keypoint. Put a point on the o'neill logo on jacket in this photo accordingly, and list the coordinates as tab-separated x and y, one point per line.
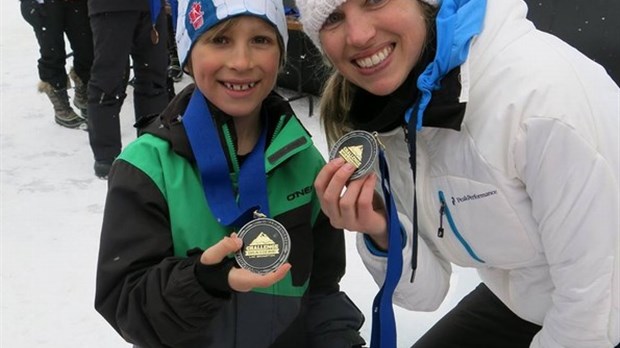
196	15
472	197
299	193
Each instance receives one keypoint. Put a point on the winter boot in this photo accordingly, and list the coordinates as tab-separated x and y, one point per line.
63	113
80	97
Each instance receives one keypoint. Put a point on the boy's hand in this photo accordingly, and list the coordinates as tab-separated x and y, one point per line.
239	279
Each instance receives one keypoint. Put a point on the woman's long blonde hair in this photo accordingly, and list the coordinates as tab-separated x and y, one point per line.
337	93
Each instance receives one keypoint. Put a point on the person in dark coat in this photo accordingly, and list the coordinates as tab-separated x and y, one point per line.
51	20
123	30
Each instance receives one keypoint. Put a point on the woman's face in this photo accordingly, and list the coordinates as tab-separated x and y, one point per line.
375	43
236	68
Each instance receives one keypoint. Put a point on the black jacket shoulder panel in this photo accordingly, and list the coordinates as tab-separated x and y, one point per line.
168	126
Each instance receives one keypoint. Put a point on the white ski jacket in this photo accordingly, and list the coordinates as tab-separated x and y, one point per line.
527	192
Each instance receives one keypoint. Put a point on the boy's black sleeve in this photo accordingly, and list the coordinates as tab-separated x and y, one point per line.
329	257
151	297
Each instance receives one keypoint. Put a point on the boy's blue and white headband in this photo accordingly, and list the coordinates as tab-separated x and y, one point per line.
198	16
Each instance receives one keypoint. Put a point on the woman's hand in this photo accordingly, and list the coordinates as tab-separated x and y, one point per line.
240	279
352	205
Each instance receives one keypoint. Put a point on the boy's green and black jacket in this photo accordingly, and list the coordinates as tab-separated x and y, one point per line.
150	285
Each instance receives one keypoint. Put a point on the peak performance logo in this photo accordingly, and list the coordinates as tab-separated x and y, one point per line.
472	197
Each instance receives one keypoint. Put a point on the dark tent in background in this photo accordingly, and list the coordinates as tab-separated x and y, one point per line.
591	26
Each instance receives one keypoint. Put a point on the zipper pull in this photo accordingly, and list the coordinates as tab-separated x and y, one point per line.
442	210
406	132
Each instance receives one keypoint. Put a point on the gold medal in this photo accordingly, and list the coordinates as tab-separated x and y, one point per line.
360	148
266	245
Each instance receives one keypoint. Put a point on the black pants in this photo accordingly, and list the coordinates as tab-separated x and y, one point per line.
480	320
117	36
51	21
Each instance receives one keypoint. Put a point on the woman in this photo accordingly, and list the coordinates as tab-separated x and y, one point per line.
513	137
224	148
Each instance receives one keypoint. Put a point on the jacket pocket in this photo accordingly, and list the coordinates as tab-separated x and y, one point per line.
444	211
478	227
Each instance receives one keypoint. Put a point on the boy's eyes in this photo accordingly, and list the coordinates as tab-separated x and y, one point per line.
221	40
263	40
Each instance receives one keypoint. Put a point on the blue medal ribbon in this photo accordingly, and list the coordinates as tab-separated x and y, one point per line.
383	333
155	6
215	174
174	5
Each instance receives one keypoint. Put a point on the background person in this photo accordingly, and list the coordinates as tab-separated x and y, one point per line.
124	29
51	20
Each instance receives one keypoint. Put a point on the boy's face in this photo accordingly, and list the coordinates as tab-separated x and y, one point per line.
237	68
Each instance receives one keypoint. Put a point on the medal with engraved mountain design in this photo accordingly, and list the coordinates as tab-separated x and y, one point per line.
266	245
360	148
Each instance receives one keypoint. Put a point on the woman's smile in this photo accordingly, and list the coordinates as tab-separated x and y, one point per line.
375	59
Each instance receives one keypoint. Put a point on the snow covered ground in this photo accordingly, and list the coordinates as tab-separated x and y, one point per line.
51	209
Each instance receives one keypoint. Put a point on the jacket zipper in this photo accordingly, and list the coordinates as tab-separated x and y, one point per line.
278	128
442	210
445	210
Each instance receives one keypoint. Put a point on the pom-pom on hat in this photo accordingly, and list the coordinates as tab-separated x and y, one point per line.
198	16
313	13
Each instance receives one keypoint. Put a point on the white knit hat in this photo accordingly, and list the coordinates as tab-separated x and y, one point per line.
313	14
198	16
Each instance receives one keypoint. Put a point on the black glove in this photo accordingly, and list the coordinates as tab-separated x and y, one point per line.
213	278
33	12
